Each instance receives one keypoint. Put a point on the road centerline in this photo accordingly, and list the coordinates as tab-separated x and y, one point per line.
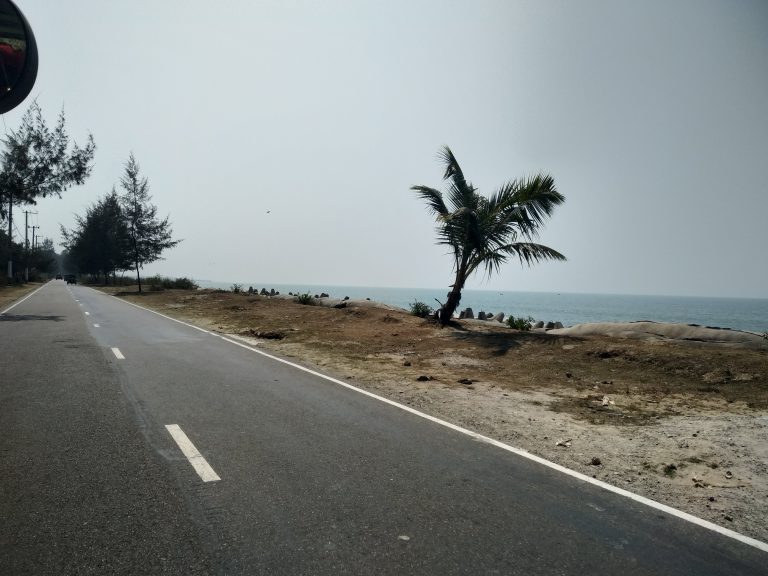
192	454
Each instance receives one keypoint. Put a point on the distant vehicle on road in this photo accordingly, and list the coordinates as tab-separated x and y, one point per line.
58	276
70	278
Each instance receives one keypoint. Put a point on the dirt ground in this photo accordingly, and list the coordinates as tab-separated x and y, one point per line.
8	294
685	424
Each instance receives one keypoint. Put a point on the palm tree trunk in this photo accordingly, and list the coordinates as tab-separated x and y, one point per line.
454	296
446	312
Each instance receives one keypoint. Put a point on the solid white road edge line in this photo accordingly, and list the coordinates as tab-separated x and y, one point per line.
199	463
519	451
118	354
27	297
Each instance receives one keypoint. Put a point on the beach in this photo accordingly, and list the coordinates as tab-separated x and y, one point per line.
681	421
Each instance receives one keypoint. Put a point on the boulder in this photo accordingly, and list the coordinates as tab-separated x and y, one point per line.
549	325
462	315
324	295
469	314
539	324
481	315
272	292
558	325
499	317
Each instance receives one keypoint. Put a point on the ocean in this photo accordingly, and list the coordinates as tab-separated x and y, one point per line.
737	313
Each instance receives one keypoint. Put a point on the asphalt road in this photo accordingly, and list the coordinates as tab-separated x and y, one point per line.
304	476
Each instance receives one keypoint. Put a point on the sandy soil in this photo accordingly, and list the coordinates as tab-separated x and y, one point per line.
684	422
8	294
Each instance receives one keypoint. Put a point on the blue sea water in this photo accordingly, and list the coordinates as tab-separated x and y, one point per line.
570	309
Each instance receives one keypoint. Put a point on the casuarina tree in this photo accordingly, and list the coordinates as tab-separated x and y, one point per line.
99	244
38	162
483	232
148	236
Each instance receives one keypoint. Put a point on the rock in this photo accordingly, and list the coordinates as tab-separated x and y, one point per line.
469	314
558	325
481	315
549	326
250	289
423	378
367	298
341	304
568	375
539	324
406	363
462	315
272	292
466	381
564	443
264	292
324	295
500	317
345	298
596	461
489	316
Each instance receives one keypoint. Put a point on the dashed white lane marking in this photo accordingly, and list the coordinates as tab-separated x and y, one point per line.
118	354
199	463
96	326
87	313
519	451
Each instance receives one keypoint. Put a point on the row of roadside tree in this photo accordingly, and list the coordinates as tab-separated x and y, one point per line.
121	231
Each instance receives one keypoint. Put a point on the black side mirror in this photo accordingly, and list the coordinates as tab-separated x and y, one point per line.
18	57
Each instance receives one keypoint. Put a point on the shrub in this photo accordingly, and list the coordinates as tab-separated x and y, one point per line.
164	282
520	323
307	299
420	309
236	288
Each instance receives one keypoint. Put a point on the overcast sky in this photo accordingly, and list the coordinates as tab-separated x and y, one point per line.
282	137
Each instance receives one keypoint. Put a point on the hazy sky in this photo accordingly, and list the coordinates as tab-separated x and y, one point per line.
652	117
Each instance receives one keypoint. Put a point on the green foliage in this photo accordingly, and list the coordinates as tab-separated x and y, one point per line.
37	162
483	232
148	235
236	288
99	243
164	282
520	323
421	309
307	299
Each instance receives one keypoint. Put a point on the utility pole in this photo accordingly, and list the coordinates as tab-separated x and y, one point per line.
10	237
33	235
26	243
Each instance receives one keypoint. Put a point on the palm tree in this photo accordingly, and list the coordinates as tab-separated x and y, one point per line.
486	231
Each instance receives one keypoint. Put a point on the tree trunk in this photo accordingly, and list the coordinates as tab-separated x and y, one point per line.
138	276
450	306
454	297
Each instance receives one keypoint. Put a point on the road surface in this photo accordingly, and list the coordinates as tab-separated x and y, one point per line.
132	444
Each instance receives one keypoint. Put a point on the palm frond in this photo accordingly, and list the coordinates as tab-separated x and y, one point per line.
434	199
530	252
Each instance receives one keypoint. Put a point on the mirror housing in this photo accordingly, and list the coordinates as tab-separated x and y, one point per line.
18	57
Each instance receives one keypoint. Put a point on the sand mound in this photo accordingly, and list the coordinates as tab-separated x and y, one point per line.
664	331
